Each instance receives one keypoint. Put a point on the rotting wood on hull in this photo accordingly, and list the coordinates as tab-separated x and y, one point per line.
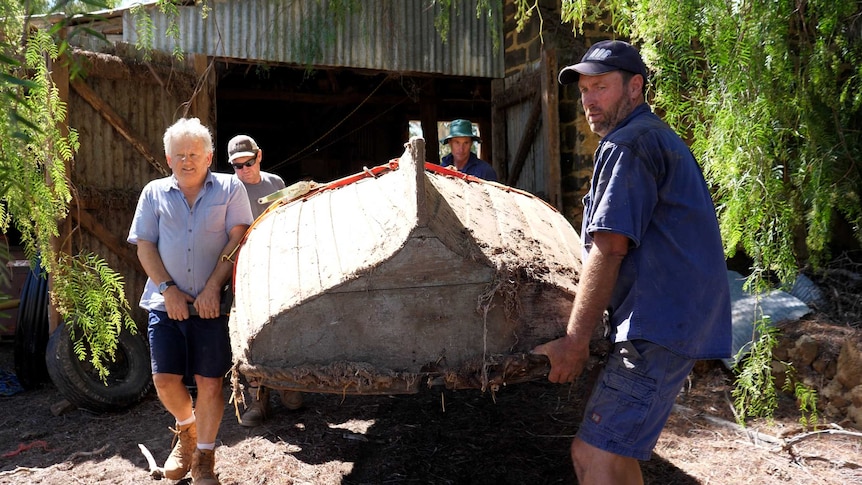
406	274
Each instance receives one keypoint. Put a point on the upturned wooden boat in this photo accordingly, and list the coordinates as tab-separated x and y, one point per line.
404	275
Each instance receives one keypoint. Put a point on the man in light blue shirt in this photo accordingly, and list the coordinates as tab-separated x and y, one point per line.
186	226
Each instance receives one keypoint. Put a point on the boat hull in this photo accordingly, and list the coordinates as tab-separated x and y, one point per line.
412	276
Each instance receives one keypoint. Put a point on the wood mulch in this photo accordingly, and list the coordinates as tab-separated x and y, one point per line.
520	435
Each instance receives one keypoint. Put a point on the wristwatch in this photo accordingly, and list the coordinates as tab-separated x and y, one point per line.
163	286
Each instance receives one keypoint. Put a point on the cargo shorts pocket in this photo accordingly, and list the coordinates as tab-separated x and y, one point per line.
622	402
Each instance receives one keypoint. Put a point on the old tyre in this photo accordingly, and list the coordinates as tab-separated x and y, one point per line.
31	331
129	379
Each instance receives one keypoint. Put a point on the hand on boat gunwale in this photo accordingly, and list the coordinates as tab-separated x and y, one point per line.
176	303
567	355
208	302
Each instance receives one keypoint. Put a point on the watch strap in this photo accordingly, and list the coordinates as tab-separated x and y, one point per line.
165	285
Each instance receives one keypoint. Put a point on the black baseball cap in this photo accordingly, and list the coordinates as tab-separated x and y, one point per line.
603	57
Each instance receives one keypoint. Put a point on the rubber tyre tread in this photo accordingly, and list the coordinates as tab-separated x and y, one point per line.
31	331
84	389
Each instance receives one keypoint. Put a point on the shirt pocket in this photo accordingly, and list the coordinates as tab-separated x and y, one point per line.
215	219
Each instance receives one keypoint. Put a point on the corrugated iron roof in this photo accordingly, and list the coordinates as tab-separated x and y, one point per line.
387	35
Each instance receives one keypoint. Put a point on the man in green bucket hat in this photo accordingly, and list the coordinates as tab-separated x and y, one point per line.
462	159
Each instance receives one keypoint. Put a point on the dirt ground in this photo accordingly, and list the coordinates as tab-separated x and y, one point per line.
520	435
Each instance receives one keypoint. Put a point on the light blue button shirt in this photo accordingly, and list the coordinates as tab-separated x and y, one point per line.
189	239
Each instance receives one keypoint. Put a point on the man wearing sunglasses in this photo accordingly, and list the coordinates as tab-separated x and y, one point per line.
245	157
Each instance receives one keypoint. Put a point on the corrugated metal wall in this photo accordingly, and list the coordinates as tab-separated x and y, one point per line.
108	172
389	35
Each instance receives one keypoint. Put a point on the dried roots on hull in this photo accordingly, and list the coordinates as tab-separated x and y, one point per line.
492	372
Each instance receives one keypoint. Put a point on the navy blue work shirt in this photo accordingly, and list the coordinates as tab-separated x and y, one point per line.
475	167
672	287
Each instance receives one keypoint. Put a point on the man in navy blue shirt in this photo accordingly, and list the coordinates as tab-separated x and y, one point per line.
462	159
653	260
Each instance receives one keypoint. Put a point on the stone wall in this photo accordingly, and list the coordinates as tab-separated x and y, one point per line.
827	358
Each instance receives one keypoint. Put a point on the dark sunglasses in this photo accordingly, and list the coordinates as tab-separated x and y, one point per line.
247	163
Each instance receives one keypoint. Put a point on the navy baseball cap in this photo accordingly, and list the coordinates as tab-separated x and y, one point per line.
603	57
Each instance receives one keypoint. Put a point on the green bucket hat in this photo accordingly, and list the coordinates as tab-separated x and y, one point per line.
460	128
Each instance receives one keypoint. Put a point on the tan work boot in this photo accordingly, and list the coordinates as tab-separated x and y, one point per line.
256	414
291	399
203	467
179	462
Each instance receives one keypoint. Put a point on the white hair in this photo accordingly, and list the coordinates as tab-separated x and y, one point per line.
188	128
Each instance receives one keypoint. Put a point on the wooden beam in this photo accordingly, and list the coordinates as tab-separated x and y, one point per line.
428	119
499	136
551	109
118	123
523	89
201	102
486	147
526	142
106	237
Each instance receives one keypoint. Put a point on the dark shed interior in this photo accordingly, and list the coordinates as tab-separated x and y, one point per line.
324	124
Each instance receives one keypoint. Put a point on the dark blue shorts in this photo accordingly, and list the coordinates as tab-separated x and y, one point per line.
633	398
194	346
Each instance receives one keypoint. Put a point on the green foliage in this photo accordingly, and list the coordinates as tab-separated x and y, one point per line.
524	12
322	28
145	28
172	12
34	188
770	95
443	19
806	399
71	7
36	193
493	9
90	294
755	393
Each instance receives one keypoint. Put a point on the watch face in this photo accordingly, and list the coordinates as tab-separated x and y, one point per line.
162	287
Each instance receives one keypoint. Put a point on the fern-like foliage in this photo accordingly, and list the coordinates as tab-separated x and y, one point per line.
806	397
91	297
755	393
35	192
770	95
145	30
145	27
492	9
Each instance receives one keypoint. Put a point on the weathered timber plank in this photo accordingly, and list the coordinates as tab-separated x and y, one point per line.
109	239
551	121
118	123
527	139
